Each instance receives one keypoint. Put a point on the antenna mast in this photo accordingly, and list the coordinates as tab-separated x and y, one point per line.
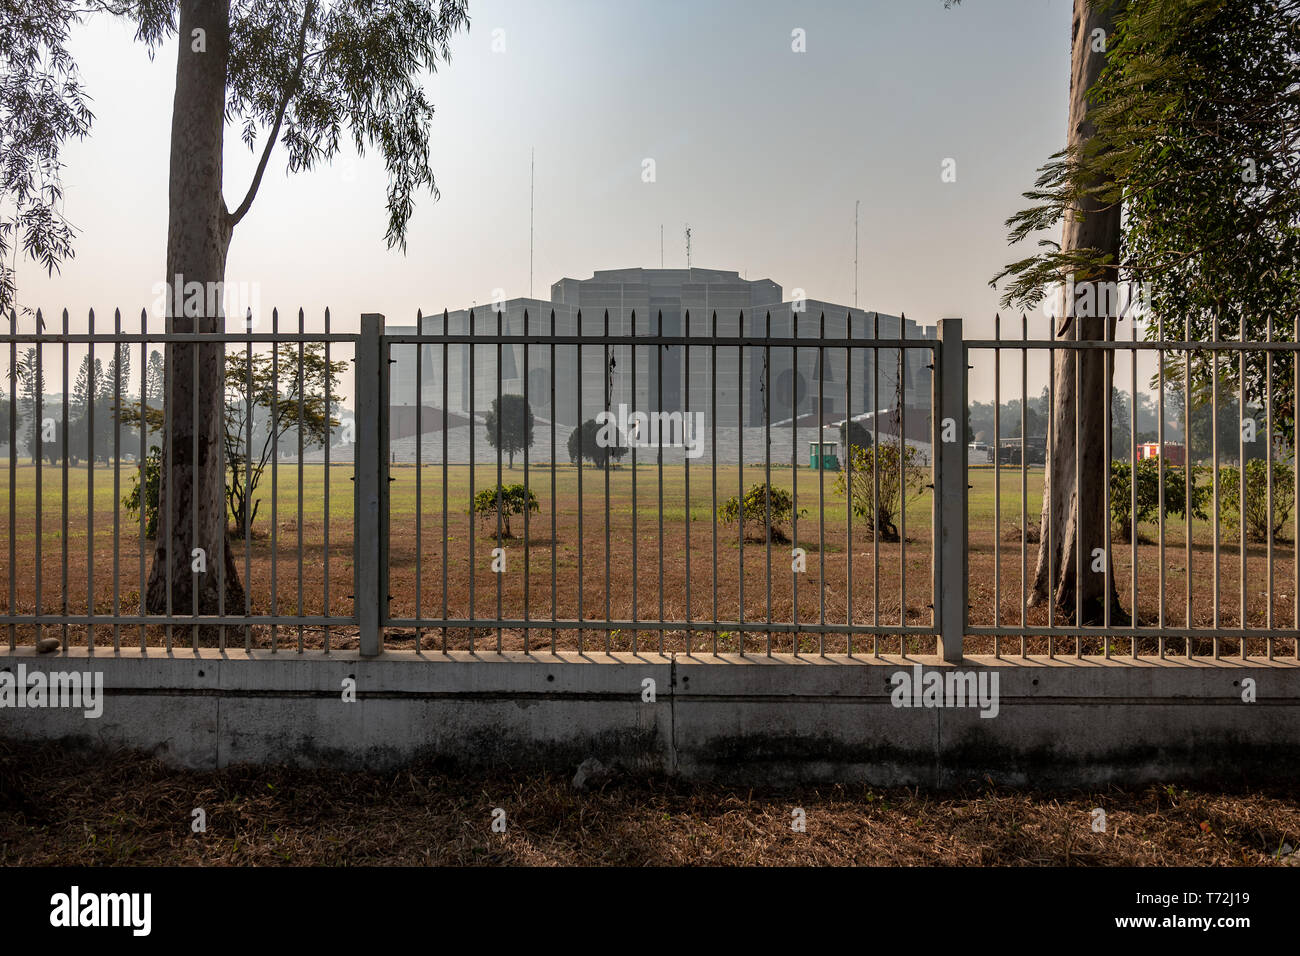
661	245
531	193
856	204
688	247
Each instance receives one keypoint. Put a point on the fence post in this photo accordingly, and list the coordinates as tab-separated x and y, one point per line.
951	591
370	494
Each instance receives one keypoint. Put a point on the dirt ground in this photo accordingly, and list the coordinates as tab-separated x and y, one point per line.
85	809
656	577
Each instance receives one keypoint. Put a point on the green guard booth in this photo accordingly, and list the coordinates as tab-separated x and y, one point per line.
823	455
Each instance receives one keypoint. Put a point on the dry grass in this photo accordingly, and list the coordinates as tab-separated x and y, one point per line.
86	809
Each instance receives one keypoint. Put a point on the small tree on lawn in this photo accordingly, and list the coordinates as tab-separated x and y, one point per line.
584	443
753	512
901	473
509	424
266	401
504	500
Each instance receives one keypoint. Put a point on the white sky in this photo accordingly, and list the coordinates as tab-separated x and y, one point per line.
762	150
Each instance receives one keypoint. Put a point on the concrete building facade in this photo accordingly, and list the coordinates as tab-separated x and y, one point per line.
671	302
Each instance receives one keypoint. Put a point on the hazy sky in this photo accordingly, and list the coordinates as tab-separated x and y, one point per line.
761	149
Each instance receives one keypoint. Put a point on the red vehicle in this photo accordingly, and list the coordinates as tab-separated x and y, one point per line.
1174	452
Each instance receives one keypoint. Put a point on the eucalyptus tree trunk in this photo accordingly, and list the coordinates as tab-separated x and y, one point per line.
1074	517
192	501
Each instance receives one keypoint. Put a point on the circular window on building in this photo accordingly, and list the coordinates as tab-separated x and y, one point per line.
788	393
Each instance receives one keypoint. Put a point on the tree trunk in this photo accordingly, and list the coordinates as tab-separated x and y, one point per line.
192	483
1074	498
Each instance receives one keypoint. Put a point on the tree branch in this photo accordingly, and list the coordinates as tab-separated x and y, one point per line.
289	91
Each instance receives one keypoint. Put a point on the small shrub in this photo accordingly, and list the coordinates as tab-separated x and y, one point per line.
505	500
1257	497
1148	494
902	476
754	512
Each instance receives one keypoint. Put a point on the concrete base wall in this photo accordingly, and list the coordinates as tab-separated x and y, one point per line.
752	720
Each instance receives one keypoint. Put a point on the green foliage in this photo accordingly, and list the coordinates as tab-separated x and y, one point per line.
583	443
1196	120
1257	498
509	424
753	511
503	500
1148	494
269	399
901	475
42	106
131	501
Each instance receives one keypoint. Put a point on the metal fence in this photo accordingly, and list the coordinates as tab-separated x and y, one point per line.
370	539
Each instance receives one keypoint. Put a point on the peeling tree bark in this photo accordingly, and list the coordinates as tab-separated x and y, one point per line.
198	237
1074	504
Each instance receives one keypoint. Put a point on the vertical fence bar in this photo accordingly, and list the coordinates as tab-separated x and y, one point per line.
195	603
1214	444
370	505
875	487
301	386
275	477
13	469
38	431
821	489
248	484
1241	481
609	387
740	479
635	499
1160	439
446	427
1050	489
1268	404
900	393
997	482
1133	539
555	501
499	496
473	470
528	498
90	481
767	477
661	351
794	479
1024	481
582	449
221	463
120	351
686	462
848	481
144	438
1187	483
329	440
63	542
950	485
713	521
419	480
